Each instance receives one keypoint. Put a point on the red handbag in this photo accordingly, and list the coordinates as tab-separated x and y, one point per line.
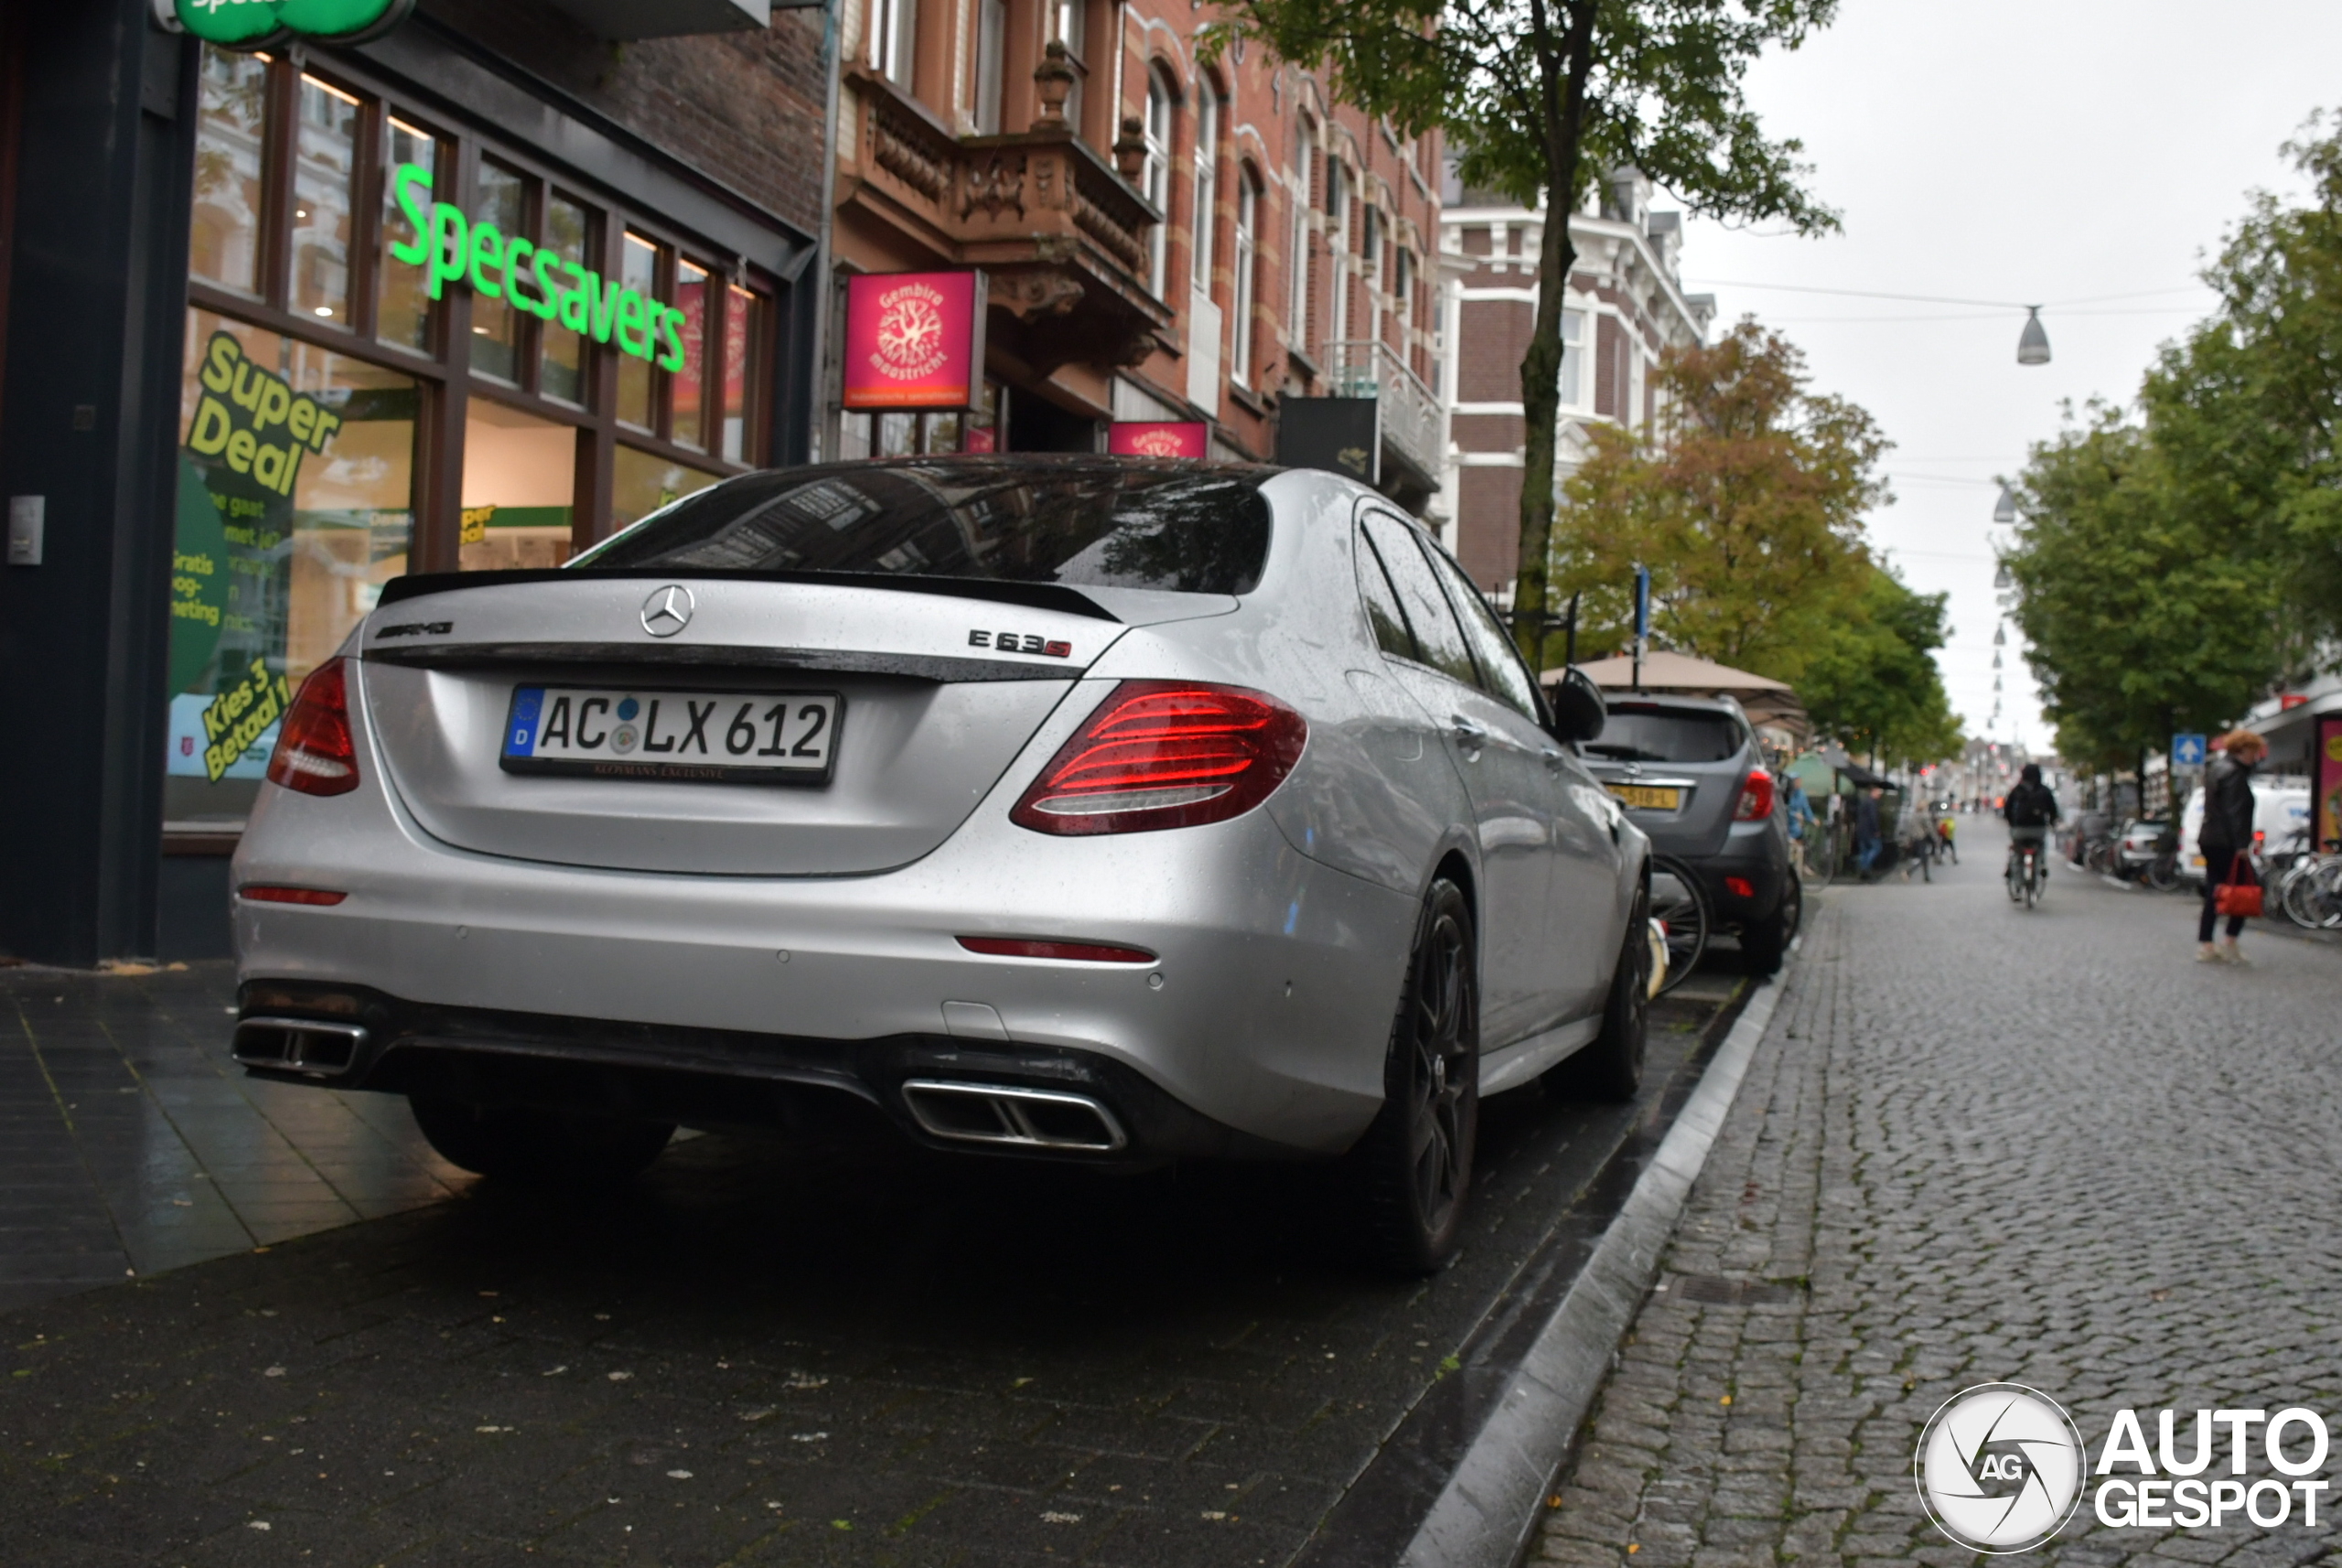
2241	893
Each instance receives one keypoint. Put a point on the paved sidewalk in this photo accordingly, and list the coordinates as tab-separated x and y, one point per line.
1982	1145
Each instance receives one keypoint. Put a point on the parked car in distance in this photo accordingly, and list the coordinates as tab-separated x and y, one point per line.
1080	808
1689	772
2281	813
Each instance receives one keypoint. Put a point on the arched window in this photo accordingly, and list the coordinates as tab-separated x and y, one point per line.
1248	217
1207	183
1156	181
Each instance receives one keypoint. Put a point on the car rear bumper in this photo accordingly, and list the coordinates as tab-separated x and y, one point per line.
1266	1013
1756	856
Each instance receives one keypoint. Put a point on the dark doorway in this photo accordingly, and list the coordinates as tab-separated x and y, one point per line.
1036	425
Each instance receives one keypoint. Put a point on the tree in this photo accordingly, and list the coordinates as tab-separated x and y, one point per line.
1745	502
1870	681
2143	616
2246	414
1539	96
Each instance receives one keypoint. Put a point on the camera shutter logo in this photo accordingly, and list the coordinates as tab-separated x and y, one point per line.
2000	1467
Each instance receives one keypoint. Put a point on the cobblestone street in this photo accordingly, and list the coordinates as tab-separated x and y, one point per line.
1976	1146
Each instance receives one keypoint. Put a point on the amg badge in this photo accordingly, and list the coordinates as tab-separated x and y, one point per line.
1015	642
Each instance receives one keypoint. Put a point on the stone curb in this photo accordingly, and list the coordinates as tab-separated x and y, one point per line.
1487	1513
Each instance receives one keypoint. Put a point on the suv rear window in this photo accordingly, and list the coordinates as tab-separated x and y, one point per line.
1082	523
1634	735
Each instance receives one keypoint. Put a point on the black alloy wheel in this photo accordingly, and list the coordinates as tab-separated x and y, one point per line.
1412	1170
549	1149
1611	1068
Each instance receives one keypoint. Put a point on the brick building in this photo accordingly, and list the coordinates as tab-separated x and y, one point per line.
284	316
1162	239
1626	306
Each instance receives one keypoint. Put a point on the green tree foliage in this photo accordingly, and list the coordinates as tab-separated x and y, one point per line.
1745	502
1538	97
2145	613
1870	681
2246	411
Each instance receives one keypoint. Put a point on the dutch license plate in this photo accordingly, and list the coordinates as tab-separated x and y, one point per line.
1648	797
728	737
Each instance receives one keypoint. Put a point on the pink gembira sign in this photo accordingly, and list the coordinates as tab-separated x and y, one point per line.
1163	438
914	339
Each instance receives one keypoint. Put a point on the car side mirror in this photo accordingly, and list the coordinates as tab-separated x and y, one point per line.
1579	710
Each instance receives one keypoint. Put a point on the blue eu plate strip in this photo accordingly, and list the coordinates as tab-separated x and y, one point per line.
520	736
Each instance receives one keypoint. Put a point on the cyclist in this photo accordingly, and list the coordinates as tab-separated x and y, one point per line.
2030	810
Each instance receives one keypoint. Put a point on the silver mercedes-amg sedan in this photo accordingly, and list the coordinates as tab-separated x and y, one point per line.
1084	809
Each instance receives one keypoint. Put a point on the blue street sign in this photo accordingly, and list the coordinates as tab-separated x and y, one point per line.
2187	751
1642	602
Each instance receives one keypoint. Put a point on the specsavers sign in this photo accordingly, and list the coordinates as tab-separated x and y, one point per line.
456	250
259	24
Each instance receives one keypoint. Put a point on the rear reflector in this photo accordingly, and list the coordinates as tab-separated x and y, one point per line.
1740	887
1166	754
314	754
265	894
1087	952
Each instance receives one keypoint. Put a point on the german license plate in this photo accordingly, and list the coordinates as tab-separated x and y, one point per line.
1650	797
725	737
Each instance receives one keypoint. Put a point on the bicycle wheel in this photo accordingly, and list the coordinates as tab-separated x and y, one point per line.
2296	894
1677	904
2162	873
2326	902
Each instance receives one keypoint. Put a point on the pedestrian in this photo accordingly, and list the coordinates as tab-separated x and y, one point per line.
1800	815
1866	830
2225	839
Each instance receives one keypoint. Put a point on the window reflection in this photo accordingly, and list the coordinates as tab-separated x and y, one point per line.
496	324
563	360
639	271
690	298
231	105
325	164
402	309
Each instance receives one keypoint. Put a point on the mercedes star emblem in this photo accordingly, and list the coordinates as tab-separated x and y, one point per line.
668	610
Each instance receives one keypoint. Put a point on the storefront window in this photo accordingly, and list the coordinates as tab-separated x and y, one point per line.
295	506
690	298
234	98
403	308
563	374
646	483
520	483
639	271
324	166
302	440
496	324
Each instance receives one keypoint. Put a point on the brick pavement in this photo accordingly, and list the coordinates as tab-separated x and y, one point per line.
1982	1145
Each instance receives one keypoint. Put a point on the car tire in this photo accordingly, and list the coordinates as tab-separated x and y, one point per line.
1611	1068
1410	1175
1765	944
539	1148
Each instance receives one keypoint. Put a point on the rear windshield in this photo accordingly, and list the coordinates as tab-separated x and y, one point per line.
1630	736
1084	523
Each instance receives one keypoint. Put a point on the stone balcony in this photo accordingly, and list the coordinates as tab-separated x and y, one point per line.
1061	237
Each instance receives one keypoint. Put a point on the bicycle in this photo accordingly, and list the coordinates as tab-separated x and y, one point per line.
2310	890
1681	910
2025	872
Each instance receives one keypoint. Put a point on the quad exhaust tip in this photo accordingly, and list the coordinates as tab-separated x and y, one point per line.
1006	1116
297	1044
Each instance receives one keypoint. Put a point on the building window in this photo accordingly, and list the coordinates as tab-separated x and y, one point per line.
1402	285
1573	355
1296	263
992	40
1156	180
1248	214
1207	185
1065	28
1338	245
894	35
350	413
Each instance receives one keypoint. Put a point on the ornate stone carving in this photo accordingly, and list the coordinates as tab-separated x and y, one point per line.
1117	241
1029	296
995	185
894	147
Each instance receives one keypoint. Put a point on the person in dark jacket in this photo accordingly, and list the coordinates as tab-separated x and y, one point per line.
2225	839
2030	810
1866	840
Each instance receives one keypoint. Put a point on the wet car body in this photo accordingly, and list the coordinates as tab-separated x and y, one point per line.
1689	772
908	923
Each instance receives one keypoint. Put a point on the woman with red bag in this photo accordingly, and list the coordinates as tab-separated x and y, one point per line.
2230	886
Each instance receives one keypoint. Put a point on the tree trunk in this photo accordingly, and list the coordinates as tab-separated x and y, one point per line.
1541	365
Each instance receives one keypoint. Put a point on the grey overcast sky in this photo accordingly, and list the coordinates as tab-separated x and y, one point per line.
2019	150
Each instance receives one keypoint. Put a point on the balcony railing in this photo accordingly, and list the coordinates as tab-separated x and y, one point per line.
1411	415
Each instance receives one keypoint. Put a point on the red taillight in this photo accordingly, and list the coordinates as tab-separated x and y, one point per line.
313	750
1087	952
1166	754
289	895
1740	887
1756	797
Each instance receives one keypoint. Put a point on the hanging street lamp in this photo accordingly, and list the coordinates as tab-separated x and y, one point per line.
2005	510
2033	343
